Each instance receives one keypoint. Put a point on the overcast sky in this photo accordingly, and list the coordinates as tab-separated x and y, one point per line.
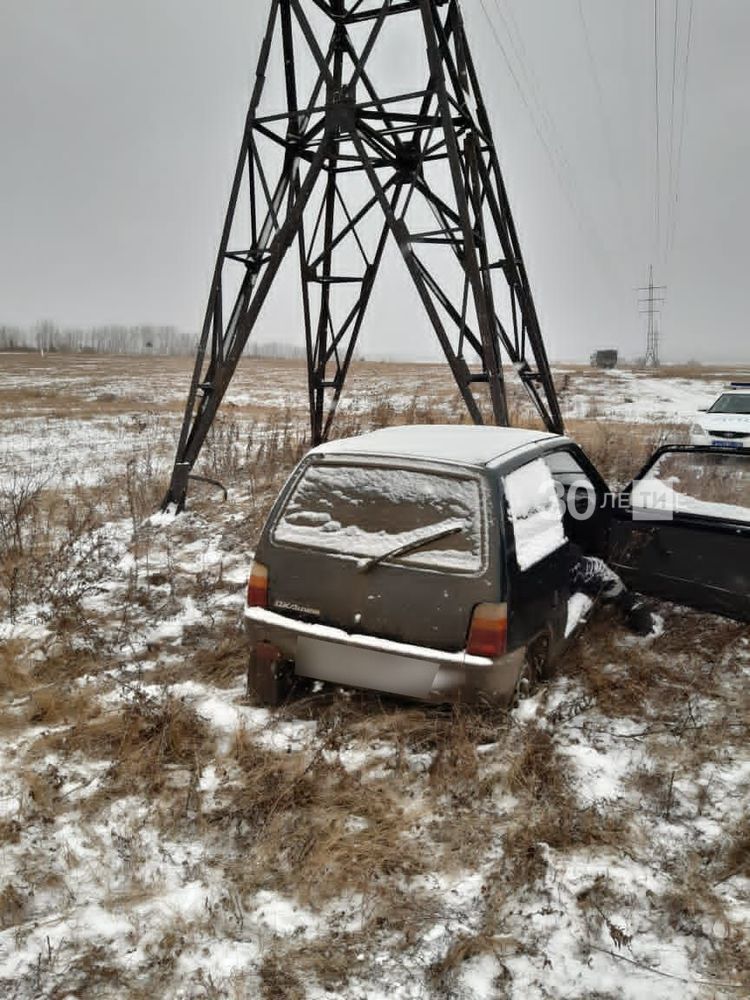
120	122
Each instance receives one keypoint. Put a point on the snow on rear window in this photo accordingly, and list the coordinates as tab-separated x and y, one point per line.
367	512
535	513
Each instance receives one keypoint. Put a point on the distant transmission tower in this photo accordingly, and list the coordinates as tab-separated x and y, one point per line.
649	304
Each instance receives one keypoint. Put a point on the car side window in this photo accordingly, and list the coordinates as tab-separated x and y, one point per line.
535	513
715	486
574	487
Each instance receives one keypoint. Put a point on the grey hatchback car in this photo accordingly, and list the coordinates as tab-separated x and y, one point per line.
435	562
389	563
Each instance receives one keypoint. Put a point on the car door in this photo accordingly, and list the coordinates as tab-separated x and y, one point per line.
583	497
537	554
681	529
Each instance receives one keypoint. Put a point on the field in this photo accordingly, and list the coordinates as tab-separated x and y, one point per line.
160	836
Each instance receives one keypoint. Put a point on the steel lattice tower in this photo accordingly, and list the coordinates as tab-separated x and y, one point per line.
652	358
347	162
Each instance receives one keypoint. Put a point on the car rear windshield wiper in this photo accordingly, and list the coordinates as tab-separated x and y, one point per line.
365	565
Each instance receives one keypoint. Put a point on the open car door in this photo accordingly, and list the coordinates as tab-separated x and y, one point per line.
681	529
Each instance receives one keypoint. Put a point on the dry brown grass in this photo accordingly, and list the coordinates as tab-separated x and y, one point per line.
694	370
41	799
63	663
458	789
692	908
51	553
280	979
597	902
690	903
142	739
442	974
46	695
619	450
12	907
14	677
222	665
658	679
655	786
734	858
405	726
66	404
316	829
331	962
548	812
60	704
10	831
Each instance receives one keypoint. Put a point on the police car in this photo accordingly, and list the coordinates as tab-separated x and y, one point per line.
726	424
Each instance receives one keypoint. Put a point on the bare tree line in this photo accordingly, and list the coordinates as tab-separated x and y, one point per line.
46	337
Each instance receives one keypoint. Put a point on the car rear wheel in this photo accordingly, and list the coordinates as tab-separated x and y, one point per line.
270	679
535	668
538	655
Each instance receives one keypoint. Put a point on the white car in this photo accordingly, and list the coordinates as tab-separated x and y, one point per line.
726	424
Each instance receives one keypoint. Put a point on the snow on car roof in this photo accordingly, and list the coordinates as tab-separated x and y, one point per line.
463	444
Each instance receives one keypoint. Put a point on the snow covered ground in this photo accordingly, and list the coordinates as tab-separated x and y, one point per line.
68	411
638	396
161	836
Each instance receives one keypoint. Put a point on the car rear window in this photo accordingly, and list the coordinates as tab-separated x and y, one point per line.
368	511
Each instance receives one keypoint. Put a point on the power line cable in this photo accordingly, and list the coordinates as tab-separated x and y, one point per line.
527	71
670	185
553	158
516	81
682	129
606	131
558	161
657	184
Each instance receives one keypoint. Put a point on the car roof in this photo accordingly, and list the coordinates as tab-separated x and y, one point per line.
456	443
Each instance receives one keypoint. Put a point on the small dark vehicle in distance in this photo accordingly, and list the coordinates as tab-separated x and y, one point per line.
604	359
435	562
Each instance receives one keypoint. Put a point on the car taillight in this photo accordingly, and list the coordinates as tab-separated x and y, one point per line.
488	634
257	586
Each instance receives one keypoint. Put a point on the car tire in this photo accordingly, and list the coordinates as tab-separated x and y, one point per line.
535	669
538	653
269	679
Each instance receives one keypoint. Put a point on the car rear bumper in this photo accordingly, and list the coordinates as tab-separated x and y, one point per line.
332	655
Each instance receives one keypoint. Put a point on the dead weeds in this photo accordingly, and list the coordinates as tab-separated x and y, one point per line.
333	961
315	829
548	813
656	680
141	739
442	975
14	675
12	907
